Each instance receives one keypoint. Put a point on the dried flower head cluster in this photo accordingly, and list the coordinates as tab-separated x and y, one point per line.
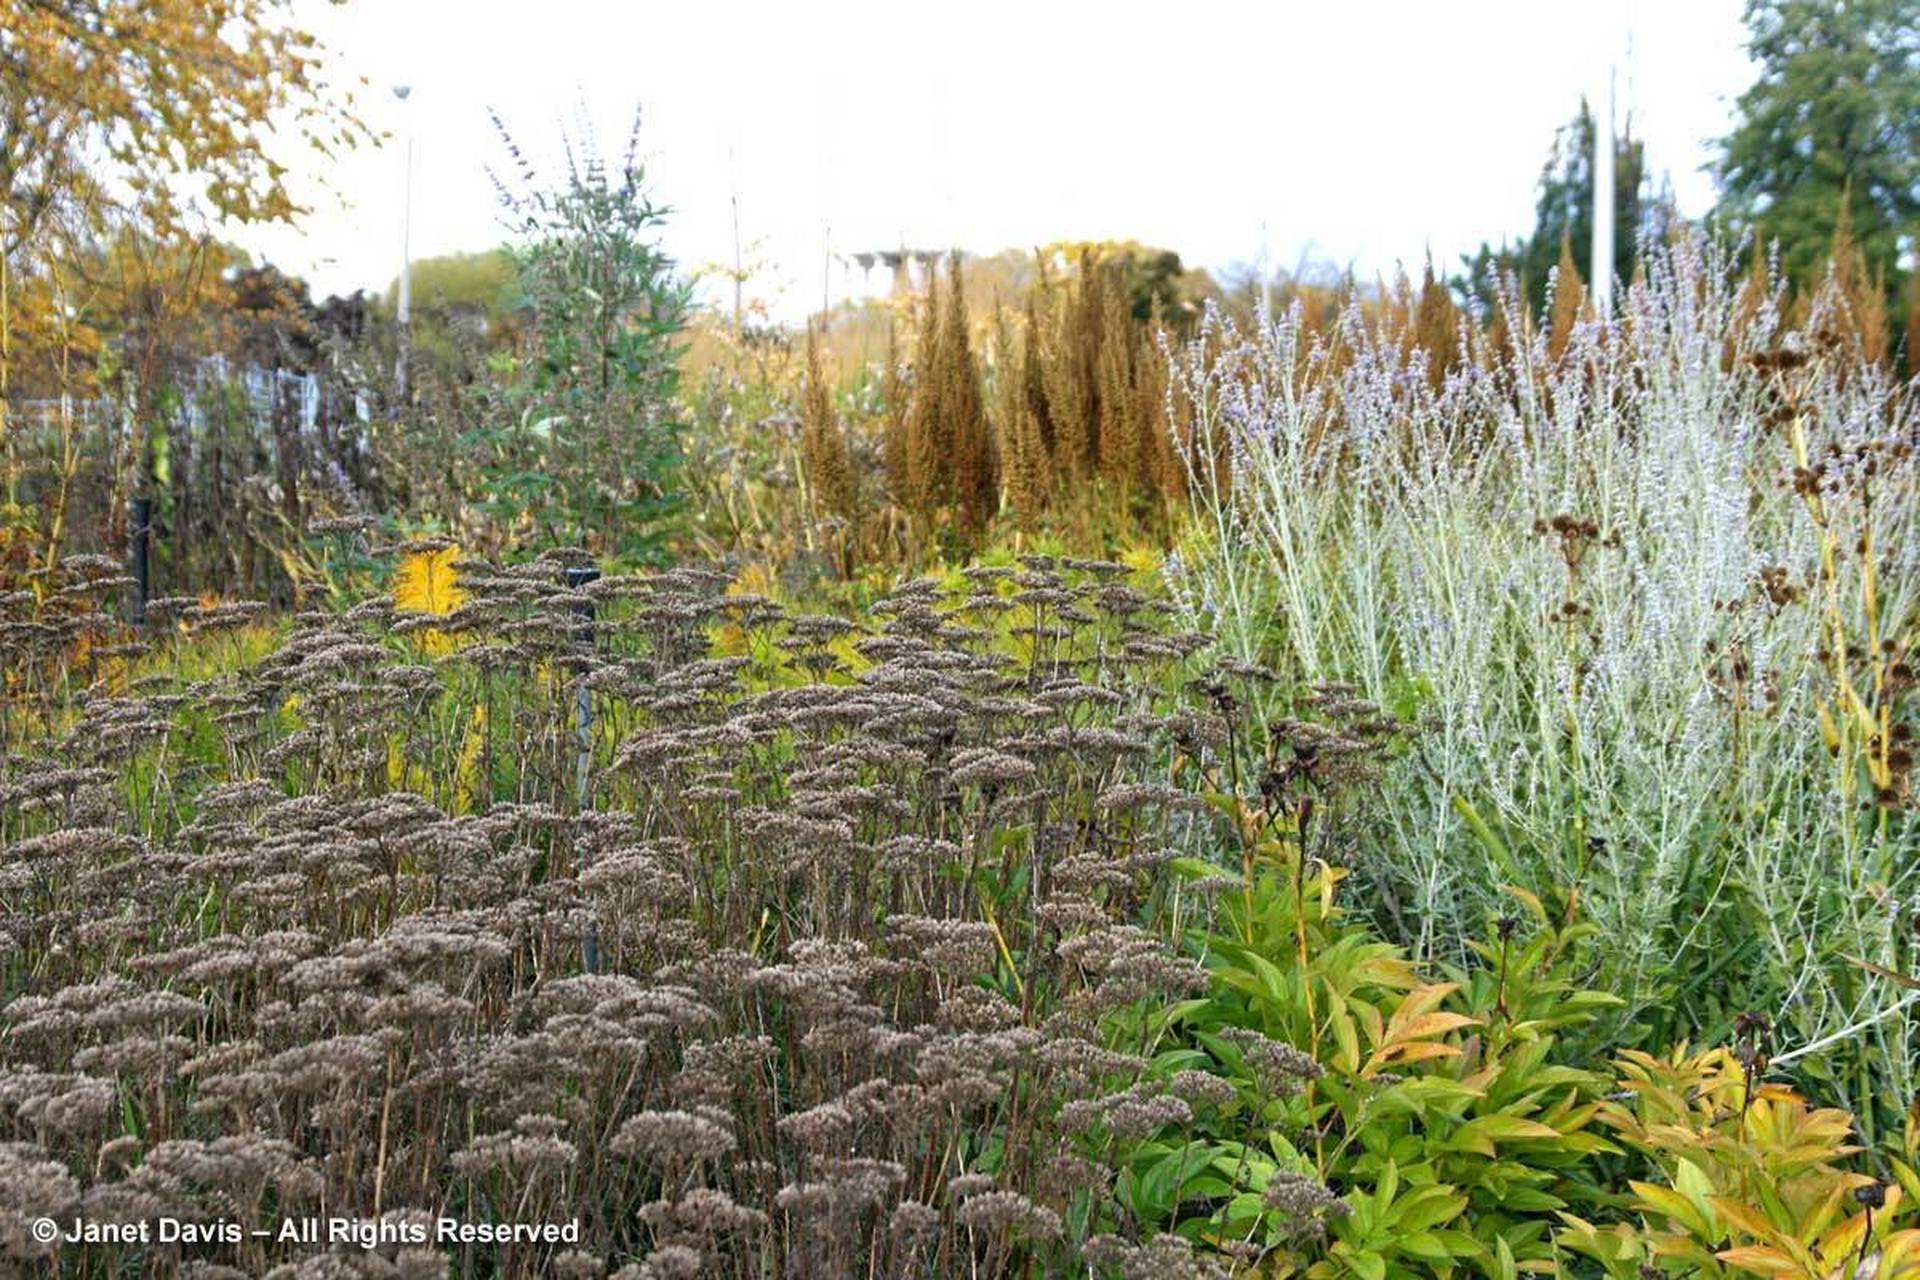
614	902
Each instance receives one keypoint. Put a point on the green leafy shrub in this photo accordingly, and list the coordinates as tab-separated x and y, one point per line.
1380	1121
590	454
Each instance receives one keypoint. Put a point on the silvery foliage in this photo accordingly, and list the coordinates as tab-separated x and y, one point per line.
1358	525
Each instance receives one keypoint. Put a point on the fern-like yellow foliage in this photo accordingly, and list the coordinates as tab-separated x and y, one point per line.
426	582
468	787
755	578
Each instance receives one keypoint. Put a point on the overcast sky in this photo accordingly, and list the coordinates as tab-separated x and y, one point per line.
1362	132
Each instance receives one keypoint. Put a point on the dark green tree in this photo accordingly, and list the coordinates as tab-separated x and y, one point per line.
1563	211
1834	117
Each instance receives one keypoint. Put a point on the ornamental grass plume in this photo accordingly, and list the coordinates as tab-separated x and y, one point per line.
823	442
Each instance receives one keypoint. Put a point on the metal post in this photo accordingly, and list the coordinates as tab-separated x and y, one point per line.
142	570
404	313
1600	268
578	577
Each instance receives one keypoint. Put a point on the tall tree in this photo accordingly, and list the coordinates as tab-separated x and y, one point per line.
1833	119
181	98
1563	214
153	109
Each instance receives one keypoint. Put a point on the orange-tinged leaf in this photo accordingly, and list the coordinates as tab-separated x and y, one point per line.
1900	1253
1500	1125
1766	1261
1435	1024
1844	1238
1530	899
1411	1051
1421	999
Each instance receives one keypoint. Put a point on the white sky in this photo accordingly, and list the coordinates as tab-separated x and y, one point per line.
1362	132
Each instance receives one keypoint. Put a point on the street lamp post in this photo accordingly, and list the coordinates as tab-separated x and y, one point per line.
405	312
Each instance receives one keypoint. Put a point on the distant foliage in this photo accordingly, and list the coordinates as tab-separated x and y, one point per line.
1156	285
469	312
1828	133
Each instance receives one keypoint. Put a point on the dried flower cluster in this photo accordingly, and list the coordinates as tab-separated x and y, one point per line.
757	943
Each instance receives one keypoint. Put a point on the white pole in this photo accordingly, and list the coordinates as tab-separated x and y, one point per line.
1601	261
404	315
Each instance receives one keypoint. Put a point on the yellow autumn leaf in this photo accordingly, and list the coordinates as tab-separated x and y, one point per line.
426	582
1673	1204
1435	1024
1829	731
1408	1052
1744	1216
402	773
